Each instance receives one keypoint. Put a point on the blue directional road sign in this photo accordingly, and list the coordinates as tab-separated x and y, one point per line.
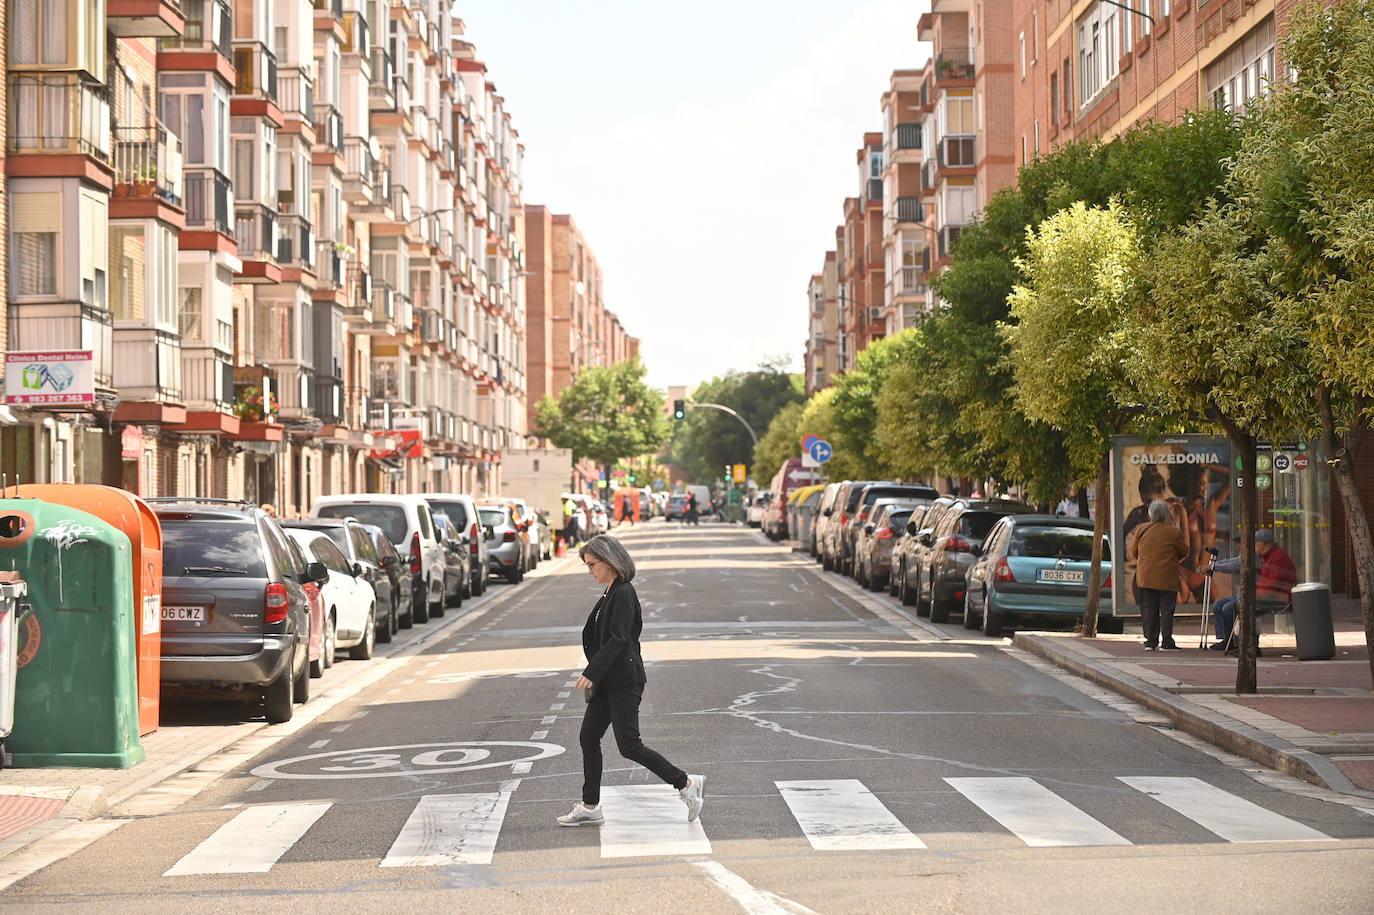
820	451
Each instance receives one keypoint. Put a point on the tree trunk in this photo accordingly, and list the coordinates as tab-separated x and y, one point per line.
1104	469
1247	680
1340	453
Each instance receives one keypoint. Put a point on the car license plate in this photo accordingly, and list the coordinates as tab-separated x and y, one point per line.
174	614
1068	576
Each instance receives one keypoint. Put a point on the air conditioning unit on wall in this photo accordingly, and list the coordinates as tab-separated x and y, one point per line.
875	313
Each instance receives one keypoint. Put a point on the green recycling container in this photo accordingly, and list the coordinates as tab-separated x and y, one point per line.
76	695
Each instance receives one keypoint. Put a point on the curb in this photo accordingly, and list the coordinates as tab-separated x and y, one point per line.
1229	735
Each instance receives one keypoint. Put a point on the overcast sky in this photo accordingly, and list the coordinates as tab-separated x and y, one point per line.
705	150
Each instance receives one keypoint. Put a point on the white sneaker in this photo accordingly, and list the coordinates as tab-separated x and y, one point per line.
694	795
582	815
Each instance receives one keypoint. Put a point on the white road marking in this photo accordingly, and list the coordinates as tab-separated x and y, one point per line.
339	729
563	695
450	829
549	719
1037	815
521	768
556	707
648	820
251	842
751	899
317	744
1232	818
539	735
842	815
259	785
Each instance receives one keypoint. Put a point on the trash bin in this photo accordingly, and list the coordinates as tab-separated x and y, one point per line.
76	693
1312	620
10	592
138	521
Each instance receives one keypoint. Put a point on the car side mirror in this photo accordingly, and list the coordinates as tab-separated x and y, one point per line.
911	527
317	572
357	569
868	529
925	538
827	513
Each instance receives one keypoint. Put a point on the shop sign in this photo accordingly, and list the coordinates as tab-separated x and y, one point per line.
50	379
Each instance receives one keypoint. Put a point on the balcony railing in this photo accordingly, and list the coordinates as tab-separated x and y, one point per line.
957	152
148	163
255	227
383	71
215	31
954	63
909	281
209	201
948	236
873	190
910	209
207	377
256	71
330	266
400	203
333	7
358	161
329	399
296	94
58	113
295	242
908	136
357	35
329	123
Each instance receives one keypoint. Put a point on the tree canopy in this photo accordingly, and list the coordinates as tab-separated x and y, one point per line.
605	415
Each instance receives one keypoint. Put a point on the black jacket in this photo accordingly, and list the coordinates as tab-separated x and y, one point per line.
610	639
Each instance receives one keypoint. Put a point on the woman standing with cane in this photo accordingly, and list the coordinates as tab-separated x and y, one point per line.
1158	550
614	682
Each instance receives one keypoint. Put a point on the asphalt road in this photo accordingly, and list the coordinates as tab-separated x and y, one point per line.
855	761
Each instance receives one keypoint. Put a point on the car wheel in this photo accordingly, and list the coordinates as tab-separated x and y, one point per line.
970	618
992	624
436	609
1111	625
922	605
875	583
363	650
904	592
301	687
481	586
279	698
388	625
939	609
469	589
515	574
826	563
891	583
419	612
331	640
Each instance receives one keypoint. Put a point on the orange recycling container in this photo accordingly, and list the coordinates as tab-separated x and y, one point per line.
136	519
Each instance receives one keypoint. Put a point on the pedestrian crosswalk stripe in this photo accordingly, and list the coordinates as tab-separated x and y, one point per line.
842	815
450	829
251	842
1037	815
1232	818
648	820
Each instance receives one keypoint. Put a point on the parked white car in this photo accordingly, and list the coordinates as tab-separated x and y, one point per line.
350	604
757	506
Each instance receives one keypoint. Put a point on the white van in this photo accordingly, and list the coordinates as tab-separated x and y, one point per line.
409	525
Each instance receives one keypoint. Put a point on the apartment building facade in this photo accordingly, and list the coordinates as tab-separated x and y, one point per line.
822	356
283	237
570	328
905	237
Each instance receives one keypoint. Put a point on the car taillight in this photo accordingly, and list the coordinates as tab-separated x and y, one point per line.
1108	582
958	544
844	518
275	603
472	537
1004	571
508	536
415	564
863	515
884	534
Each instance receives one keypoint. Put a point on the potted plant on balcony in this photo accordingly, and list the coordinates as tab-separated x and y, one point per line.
146	182
253	407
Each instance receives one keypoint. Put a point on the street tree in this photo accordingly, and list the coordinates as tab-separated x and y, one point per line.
1206	342
607	414
1083	275
1305	181
819	419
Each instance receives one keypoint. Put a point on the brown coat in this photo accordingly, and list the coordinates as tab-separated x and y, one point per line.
1158	548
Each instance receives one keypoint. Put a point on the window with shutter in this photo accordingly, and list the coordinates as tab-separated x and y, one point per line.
35	220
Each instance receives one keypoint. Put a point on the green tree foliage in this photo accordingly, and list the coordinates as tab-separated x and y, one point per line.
605	415
855	402
1304	179
709	439
781	442
819	419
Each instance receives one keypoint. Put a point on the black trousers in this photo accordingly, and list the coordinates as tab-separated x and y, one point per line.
619	710
1157	616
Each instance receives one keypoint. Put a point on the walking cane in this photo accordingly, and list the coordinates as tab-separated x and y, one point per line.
1207	599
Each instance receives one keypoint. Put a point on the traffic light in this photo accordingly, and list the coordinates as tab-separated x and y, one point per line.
679	409
632	479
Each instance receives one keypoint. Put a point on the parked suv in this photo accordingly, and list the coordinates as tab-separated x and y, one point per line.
821	524
462	511
861	505
398	570
836	516
409	523
235	616
953	544
457	577
505	545
911	550
355	542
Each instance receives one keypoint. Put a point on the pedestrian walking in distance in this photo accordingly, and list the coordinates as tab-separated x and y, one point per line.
613	681
1158	549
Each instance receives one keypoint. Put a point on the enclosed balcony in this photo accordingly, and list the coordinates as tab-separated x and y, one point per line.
330	266
359	167
330	401
58	113
296	95
209	27
209	201
329	124
331	9
948	236
910	209
381	88
295	242
255	228
953	63
256	72
60	326
145	18
957	152
207	378
148	163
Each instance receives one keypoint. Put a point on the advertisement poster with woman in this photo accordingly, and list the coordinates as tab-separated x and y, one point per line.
1191	474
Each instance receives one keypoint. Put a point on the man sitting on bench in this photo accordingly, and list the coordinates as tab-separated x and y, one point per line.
1273	587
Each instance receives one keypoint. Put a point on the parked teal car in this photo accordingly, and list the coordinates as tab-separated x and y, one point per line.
1036	566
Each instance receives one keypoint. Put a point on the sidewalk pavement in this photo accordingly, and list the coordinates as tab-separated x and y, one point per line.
1310	719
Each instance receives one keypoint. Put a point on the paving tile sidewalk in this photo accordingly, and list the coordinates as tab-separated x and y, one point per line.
1311	719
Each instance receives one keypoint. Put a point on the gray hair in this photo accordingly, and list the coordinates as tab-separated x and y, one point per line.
610	551
1159	511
